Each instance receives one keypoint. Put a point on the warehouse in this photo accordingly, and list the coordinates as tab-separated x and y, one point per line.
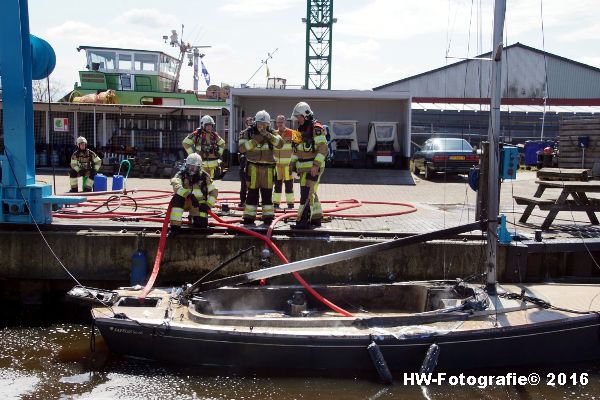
455	98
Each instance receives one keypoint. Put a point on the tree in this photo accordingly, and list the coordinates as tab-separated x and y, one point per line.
40	90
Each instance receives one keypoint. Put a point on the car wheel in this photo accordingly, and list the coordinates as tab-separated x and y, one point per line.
429	173
415	169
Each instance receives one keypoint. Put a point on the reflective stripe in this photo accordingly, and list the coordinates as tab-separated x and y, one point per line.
268	210
198	193
183	192
284	161
276	197
289	198
211	200
210	163
211	187
176	214
73	182
320	139
304	164
320	158
202	214
250	211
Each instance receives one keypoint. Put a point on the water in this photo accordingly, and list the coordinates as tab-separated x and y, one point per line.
45	359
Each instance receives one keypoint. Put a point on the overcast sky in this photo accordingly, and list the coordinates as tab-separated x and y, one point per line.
374	42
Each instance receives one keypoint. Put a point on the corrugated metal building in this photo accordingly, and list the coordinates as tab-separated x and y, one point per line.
455	98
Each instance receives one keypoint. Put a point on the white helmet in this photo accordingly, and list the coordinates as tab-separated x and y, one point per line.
193	162
303	109
80	140
262	116
207	119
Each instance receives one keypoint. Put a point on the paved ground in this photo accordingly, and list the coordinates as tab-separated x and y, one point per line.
444	202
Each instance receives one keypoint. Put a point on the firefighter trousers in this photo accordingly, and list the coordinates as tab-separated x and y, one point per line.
310	206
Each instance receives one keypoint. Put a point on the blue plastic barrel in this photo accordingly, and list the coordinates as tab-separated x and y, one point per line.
139	266
531	149
100	183
117	182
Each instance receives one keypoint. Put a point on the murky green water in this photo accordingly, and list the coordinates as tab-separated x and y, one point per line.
56	362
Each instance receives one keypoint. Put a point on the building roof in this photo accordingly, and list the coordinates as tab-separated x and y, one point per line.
307	94
487	55
122	49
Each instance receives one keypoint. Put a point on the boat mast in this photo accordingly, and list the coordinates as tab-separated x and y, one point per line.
494	150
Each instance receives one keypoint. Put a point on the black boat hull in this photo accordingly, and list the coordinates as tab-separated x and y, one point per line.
562	341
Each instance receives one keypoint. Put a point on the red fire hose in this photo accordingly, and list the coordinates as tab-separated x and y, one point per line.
154	216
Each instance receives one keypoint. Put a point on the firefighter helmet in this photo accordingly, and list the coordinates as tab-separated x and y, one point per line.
193	163
206	120
80	140
262	116
303	109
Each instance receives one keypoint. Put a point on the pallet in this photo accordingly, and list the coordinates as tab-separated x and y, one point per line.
564	174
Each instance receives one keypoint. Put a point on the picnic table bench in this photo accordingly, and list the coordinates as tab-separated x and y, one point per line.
579	202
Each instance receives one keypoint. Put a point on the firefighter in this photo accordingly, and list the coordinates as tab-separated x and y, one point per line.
84	162
207	143
194	192
260	168
243	138
283	174
309	147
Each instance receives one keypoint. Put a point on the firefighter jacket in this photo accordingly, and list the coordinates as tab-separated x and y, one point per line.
209	145
83	160
309	146
259	147
283	156
200	185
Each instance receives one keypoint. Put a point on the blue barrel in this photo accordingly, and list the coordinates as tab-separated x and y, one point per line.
100	183
117	182
139	266
531	150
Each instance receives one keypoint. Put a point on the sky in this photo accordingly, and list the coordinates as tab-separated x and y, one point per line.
374	42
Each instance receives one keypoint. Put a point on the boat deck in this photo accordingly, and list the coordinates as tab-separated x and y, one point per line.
502	313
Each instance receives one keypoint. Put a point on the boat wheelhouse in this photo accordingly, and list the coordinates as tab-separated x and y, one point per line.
137	77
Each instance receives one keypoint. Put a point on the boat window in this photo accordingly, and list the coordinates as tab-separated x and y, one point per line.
146	62
168	65
165	85
126	82
125	62
105	59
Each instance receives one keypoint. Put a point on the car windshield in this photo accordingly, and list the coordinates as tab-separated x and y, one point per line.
451	145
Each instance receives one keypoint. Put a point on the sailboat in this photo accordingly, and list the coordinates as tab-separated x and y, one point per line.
390	327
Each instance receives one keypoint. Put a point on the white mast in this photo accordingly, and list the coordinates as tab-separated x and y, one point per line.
493	138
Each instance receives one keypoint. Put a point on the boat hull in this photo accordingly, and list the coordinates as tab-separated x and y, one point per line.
563	341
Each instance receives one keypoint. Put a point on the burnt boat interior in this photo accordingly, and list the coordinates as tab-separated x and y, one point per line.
294	301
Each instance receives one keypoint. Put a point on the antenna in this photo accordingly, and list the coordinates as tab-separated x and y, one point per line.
192	52
262	63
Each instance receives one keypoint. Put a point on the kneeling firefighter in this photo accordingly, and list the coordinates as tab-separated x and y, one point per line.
84	162
194	191
308	159
260	167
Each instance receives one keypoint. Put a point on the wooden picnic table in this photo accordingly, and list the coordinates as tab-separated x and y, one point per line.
578	192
